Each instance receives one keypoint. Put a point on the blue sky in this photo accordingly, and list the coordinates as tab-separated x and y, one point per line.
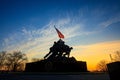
28	25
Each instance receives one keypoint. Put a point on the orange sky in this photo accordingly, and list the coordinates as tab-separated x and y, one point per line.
94	53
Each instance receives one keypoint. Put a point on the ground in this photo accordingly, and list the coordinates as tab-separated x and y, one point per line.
54	76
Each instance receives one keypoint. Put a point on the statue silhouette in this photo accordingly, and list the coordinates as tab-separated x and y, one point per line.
52	50
67	51
58	49
57	59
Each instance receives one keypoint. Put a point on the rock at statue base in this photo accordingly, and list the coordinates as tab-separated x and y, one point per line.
57	65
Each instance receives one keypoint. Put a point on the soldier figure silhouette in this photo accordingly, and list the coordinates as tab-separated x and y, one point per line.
67	51
58	49
52	50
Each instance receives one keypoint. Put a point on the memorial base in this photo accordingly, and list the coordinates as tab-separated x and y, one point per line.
57	65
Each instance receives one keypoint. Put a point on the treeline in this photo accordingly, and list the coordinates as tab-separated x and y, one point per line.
14	61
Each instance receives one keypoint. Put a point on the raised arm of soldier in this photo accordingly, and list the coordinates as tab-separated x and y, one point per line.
51	50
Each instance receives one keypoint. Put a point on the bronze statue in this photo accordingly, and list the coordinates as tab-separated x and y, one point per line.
57	60
58	49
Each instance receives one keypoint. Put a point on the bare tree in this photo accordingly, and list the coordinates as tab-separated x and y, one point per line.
2	59
101	66
12	61
115	57
16	59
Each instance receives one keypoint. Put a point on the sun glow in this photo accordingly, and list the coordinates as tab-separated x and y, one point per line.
94	53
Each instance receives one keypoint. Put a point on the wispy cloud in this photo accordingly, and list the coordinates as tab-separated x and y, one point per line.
99	18
111	20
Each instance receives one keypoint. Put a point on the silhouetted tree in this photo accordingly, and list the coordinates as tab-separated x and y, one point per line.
115	57
101	66
2	59
13	61
16	59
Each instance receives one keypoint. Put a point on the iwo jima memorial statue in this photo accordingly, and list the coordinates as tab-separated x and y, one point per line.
57	60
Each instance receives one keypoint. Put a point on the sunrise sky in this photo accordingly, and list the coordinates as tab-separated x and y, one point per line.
91	27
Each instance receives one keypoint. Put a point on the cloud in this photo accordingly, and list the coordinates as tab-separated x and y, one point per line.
110	21
99	18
